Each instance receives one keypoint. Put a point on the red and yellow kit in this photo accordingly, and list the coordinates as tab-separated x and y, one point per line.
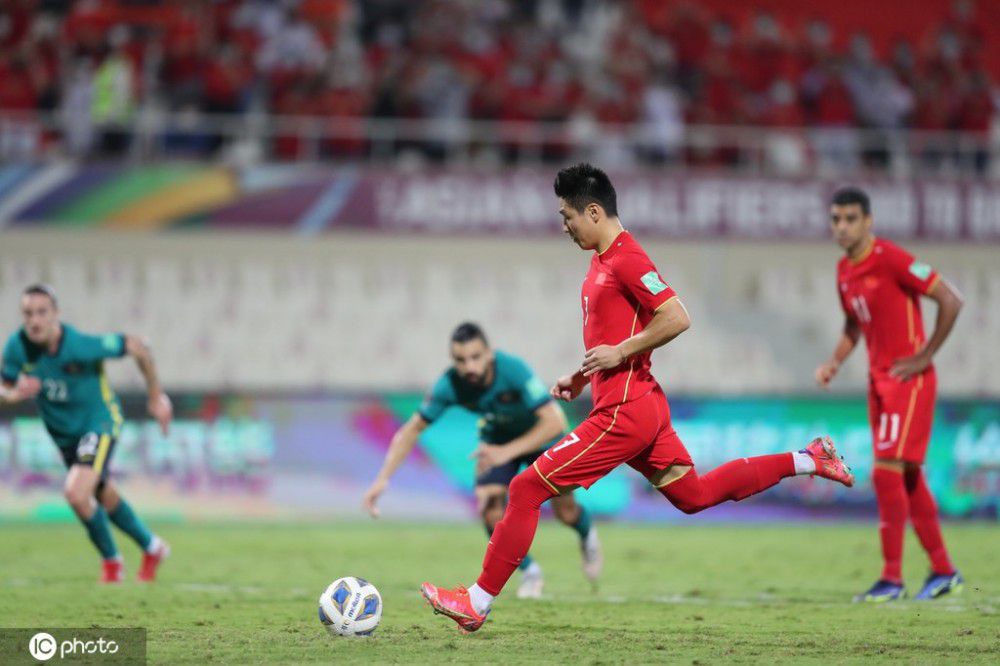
881	291
630	421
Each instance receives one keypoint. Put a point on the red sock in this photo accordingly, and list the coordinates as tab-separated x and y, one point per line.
924	516
735	480
513	535
892	509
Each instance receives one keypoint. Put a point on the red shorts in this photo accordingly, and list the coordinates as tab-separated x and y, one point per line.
901	415
638	433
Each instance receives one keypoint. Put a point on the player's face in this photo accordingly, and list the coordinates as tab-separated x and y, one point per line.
578	225
850	225
41	317
473	361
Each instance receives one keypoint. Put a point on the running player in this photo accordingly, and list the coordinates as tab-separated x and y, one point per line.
63	369
628	310
880	286
519	420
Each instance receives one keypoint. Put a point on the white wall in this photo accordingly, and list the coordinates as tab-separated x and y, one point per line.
270	312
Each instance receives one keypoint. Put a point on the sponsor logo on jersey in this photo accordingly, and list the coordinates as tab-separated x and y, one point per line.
653	282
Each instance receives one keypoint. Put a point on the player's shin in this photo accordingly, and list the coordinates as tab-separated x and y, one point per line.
99	530
892	509
924	516
735	480
127	521
513	535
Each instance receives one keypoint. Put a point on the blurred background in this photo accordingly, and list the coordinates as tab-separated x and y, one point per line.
296	202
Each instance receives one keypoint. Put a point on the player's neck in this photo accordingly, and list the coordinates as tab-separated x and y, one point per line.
52	347
612	230
859	250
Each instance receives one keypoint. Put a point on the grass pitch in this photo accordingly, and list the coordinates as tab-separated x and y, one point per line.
246	593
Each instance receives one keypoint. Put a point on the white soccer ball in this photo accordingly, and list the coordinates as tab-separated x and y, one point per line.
350	606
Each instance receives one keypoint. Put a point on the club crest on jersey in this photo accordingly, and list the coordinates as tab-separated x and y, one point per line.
653	283
507	397
920	270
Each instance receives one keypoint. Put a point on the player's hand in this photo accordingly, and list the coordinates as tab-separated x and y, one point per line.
601	357
489	456
161	409
909	367
826	372
568	387
27	387
370	501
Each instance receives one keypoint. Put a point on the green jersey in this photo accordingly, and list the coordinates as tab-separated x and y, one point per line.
507	406
75	398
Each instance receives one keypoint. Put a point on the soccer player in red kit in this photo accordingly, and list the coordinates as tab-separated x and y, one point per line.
880	286
628	310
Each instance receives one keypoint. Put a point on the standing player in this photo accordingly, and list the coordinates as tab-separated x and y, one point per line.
63	369
519	420
628	311
880	286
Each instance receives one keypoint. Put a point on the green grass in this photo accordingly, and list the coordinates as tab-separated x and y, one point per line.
244	593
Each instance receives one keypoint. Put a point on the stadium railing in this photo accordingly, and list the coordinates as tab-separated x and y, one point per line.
804	151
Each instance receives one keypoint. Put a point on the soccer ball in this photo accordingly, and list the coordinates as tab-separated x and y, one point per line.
350	606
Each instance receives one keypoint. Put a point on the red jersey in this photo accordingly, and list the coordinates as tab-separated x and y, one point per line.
620	293
881	291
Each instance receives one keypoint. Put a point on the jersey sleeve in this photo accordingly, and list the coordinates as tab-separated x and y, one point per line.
910	273
533	391
13	359
441	397
636	272
98	347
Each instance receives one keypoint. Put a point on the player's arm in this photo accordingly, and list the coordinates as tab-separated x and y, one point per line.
551	423
157	402
949	304
15	386
845	345
669	320
399	448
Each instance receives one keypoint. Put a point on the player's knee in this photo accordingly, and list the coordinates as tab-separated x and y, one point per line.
491	510
566	512
78	498
687	498
528	487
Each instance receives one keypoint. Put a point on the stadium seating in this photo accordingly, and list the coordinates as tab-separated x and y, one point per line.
349	313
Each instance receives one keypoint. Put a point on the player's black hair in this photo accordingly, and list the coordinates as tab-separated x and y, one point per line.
583	184
846	196
467	331
41	289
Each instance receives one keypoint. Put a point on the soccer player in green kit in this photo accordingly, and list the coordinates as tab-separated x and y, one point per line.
519	422
63	370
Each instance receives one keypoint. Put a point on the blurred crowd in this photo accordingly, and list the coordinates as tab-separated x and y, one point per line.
586	63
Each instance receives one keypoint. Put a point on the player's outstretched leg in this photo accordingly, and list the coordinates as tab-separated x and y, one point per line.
944	578
739	479
510	543
121	514
575	515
